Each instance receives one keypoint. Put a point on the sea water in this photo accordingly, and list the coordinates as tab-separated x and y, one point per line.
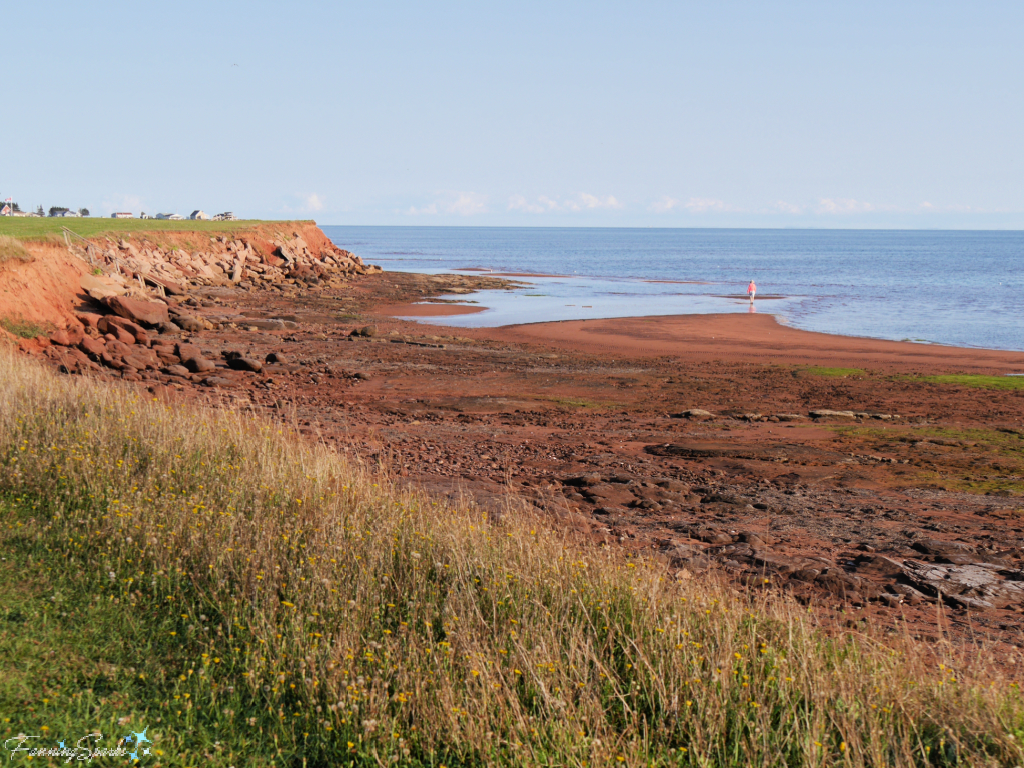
945	287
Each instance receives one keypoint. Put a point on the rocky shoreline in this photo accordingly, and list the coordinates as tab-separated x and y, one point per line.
844	492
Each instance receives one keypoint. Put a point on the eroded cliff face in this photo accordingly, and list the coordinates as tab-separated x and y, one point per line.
59	283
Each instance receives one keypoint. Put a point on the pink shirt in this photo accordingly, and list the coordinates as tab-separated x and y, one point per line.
751	288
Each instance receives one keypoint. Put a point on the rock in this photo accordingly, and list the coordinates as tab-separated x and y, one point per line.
939	547
100	288
368	331
187	352
825	413
118	348
88	319
176	370
694	413
199	365
108	323
147	313
189	323
270	325
67	338
673	485
216	381
979	582
169	328
92	347
879	565
806	574
140	361
362	376
279	358
245	364
582	481
790	417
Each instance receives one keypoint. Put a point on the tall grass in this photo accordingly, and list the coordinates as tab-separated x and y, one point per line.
11	250
387	627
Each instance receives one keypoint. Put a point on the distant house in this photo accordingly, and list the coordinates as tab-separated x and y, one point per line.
121	215
68	214
170	217
227	216
5	211
199	216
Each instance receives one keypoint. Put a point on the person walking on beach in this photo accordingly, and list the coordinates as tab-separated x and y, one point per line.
751	291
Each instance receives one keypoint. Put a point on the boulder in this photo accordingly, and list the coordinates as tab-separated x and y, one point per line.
216	381
199	365
187	352
278	357
694	413
245	364
92	347
88	319
101	288
138	333
176	370
939	547
71	337
147	313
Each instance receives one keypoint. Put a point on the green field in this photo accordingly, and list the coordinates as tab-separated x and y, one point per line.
41	229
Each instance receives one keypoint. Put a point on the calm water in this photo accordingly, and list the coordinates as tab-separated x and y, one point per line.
961	288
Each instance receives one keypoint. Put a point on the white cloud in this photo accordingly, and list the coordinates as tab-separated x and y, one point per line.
926	206
829	205
314	203
581	202
704	205
664	205
459	203
117	203
784	207
591	201
468	204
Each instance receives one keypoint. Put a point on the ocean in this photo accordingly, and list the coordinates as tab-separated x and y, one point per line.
960	288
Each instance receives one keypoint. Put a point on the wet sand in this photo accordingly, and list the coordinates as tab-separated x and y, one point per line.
754	338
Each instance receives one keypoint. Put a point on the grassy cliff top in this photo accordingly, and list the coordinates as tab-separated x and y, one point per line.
39	229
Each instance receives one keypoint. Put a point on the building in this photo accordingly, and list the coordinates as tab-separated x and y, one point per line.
199	216
227	216
169	217
121	215
6	210
68	214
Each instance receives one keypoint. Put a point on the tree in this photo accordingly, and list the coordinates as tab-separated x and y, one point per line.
15	207
40	211
55	209
83	211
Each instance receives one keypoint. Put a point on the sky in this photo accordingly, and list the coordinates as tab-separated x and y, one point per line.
670	114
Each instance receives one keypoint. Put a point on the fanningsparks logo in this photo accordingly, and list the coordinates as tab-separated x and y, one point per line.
134	748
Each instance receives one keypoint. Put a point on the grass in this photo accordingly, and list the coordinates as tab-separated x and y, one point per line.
977	381
41	229
975	460
254	600
24	329
11	249
818	370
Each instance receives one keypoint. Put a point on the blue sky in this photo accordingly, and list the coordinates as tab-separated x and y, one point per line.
781	114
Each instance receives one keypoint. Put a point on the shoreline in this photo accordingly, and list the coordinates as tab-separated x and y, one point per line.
726	337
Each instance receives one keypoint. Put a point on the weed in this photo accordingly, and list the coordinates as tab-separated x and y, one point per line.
818	370
259	593
22	328
976	381
12	250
